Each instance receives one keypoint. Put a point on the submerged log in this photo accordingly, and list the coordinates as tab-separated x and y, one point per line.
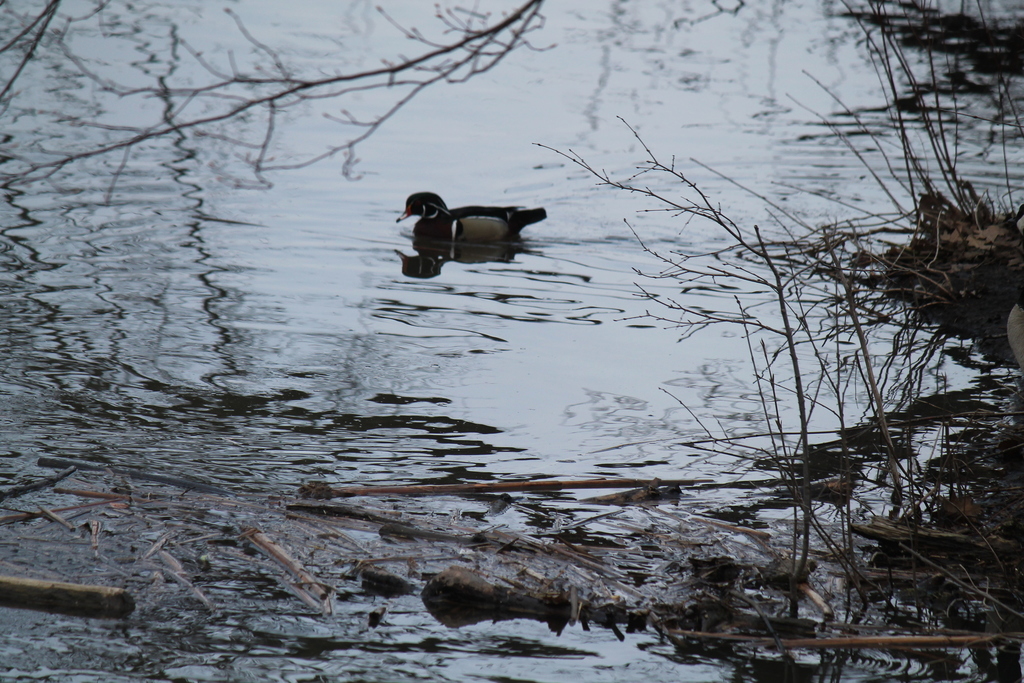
134	473
654	491
309	589
458	596
36	485
934	540
885	642
326	510
406	531
67	598
23	516
491	487
383	582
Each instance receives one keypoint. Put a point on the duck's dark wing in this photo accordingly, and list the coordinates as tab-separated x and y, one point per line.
523	217
502	212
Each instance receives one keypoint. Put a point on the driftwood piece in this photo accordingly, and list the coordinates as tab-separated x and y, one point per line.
328	529
970	588
826	610
33	486
654	491
179	574
757	535
934	540
383	582
95	526
852	642
407	531
54	517
133	473
495	487
458	596
86	493
23	516
326	510
66	598
157	546
309	589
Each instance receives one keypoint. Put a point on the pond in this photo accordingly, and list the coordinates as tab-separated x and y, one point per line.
170	309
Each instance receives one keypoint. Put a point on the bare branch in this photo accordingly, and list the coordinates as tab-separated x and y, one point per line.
231	97
45	17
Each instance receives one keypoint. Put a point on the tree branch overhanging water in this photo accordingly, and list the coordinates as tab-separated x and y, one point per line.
236	106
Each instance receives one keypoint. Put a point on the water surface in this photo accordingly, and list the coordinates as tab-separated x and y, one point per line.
185	320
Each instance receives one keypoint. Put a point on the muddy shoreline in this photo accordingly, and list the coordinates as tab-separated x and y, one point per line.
989	292
958	276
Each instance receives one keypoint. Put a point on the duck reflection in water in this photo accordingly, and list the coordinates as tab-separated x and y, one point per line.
431	255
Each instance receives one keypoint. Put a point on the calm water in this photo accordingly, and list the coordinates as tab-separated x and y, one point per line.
258	338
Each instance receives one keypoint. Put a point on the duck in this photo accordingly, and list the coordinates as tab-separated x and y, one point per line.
1015	329
467	223
1017	221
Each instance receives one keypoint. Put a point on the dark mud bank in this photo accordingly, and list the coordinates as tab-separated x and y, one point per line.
988	293
960	274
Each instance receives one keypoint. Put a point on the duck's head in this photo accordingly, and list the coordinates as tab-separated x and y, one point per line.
425	204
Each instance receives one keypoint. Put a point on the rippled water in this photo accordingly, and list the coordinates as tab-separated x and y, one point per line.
260	338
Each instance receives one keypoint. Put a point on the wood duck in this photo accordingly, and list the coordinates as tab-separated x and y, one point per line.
467	223
1015	329
1015	321
1018	220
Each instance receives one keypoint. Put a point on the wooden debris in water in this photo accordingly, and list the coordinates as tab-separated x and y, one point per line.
68	598
380	580
893	642
318	489
937	540
138	474
641	566
42	483
458	596
309	589
179	575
